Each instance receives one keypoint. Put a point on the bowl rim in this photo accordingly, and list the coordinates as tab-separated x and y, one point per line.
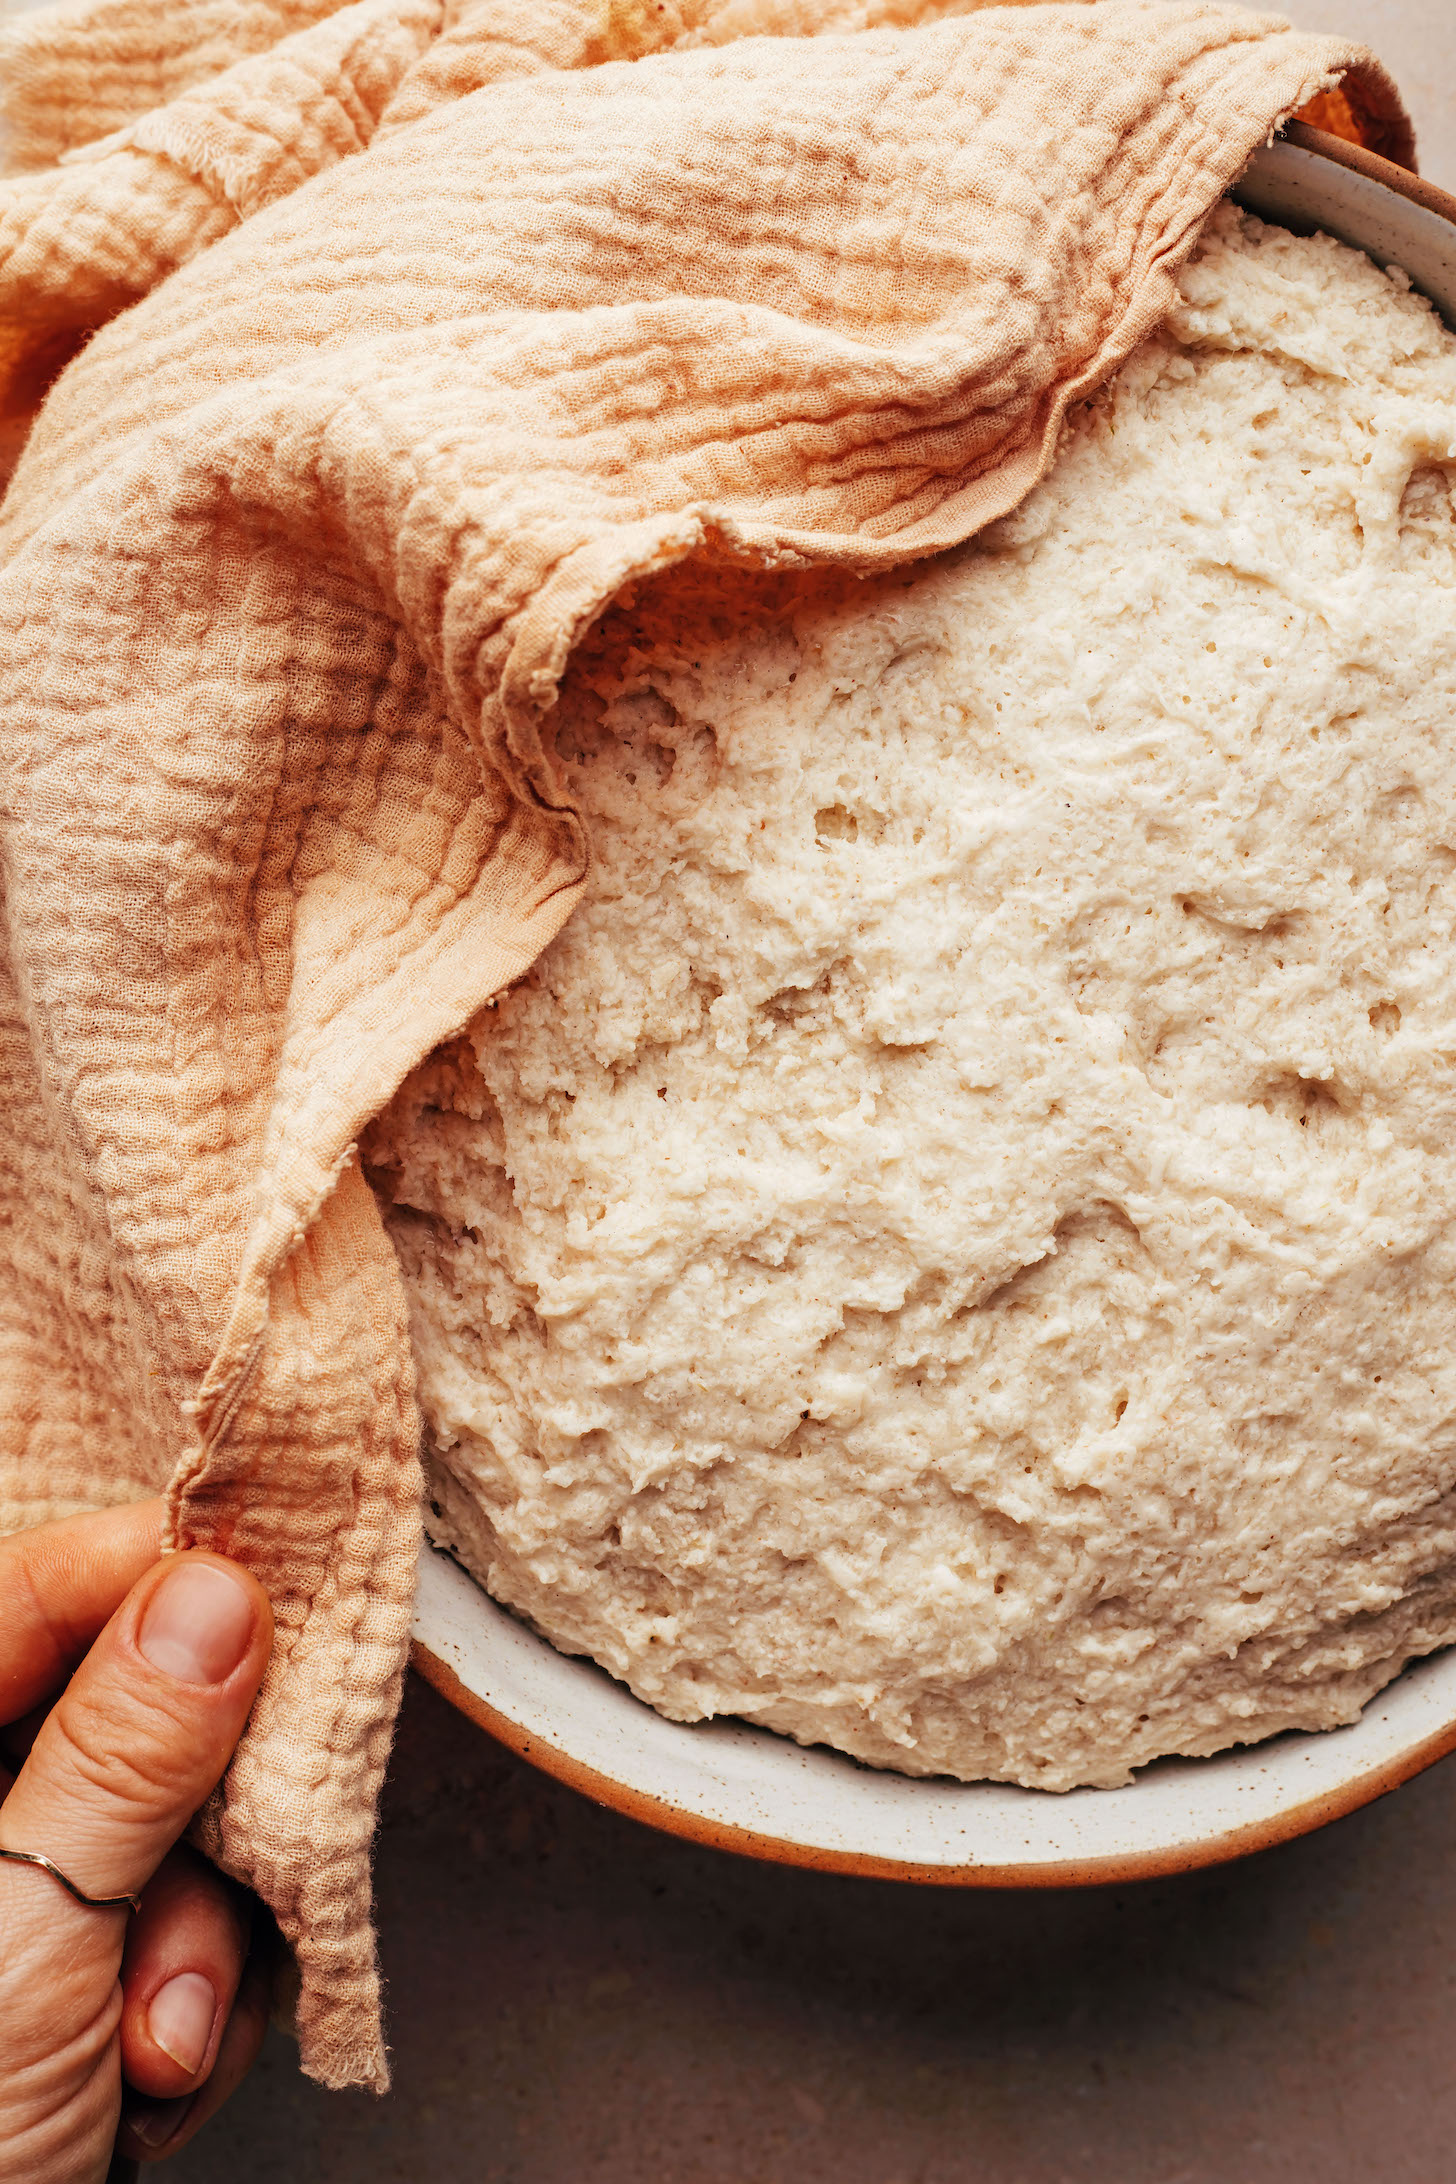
1159	1862
457	1682
1404	181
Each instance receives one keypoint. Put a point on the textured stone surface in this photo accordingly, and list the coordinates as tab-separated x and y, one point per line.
574	2000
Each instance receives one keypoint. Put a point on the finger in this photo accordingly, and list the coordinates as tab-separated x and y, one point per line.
184	1958
145	1727
58	1585
155	2130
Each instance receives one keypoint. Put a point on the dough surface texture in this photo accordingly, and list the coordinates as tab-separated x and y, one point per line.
950	1253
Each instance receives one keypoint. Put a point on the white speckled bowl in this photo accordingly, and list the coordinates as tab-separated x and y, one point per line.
746	1789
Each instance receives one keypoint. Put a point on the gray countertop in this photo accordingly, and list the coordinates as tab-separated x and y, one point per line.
576	2001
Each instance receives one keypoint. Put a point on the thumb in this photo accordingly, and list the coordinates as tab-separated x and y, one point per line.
145	1727
140	1736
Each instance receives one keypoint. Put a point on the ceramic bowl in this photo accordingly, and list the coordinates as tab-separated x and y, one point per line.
746	1789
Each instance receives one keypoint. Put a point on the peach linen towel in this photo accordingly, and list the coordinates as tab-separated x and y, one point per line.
423	329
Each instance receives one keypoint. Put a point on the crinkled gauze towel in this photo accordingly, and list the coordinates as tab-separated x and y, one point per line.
392	339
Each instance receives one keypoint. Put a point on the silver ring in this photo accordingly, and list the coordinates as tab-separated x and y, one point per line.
48	1865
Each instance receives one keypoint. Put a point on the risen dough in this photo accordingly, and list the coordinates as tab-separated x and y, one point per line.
950	1253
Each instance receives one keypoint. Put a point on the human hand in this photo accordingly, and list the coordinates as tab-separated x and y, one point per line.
130	1747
